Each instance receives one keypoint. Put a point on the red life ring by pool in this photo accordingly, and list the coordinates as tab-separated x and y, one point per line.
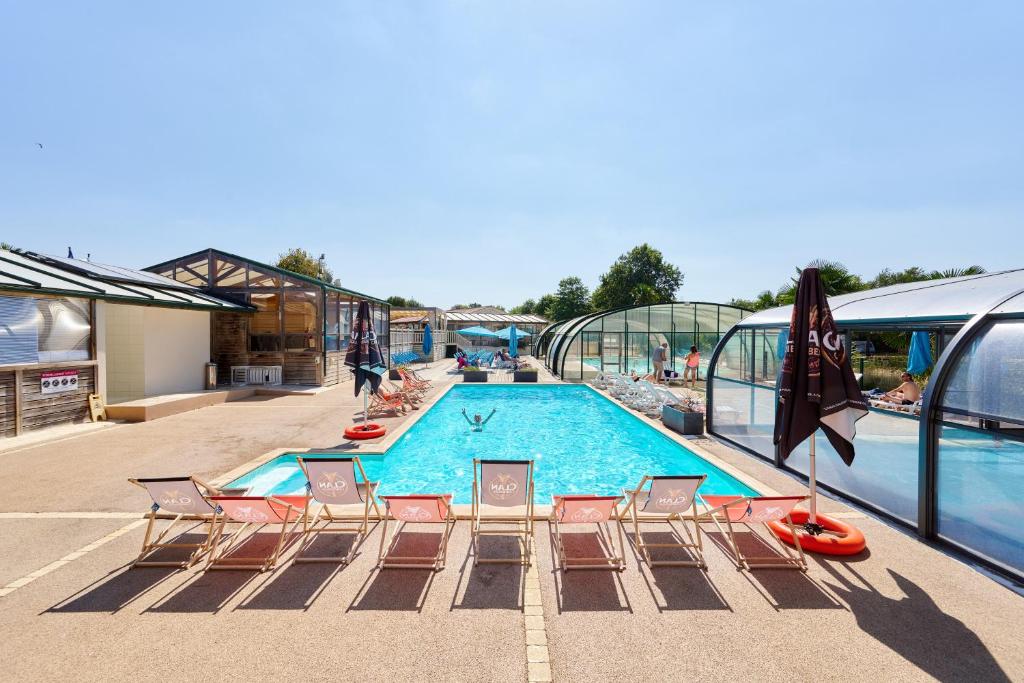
371	430
850	543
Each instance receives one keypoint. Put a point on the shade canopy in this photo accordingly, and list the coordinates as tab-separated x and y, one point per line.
505	332
476	332
428	340
920	357
363	356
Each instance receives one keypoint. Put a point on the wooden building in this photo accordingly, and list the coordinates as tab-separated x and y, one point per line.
297	323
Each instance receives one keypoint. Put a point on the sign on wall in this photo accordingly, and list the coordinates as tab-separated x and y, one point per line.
56	381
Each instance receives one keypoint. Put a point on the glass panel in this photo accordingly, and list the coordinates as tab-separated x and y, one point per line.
331	327
192	272
707	319
681	344
989	375
614	322
19	332
261	280
727	317
592	351
347	309
64	329
265	323
637	319
300	326
746	414
611	351
767	362
230	274
661	318
682	317
980	477
734	361
638	353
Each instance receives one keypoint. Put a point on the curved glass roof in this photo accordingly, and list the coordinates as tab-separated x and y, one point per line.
954	299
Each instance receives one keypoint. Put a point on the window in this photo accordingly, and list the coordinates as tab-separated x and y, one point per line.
300	321
331	325
265	325
44	330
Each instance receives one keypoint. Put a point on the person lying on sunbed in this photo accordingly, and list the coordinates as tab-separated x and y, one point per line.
906	393
478	422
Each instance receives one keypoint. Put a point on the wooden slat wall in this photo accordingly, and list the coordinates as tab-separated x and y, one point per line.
335	370
7	403
230	347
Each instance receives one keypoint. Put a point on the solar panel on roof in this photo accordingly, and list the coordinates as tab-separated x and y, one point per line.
117	273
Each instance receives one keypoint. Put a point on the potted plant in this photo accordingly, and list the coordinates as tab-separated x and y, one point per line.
687	417
472	374
525	374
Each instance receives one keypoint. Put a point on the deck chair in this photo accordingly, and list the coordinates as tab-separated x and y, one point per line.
588	509
334	481
185	499
748	510
383	402
503	484
664	499
415	509
254	512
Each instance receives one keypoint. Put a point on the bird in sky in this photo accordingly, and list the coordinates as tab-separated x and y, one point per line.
40	145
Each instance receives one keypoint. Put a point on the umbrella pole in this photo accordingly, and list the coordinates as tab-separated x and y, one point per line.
366	407
813	519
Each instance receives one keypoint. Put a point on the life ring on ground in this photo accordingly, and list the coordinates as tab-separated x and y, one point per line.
367	431
850	543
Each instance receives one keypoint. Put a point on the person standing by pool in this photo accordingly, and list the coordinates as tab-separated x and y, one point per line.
692	364
478	422
658	359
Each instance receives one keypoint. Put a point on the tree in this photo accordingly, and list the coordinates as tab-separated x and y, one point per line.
571	300
641	276
956	272
835	278
5	246
402	302
302	262
765	299
888	277
525	308
544	307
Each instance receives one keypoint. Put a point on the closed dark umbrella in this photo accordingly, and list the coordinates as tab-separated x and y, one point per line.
363	355
817	388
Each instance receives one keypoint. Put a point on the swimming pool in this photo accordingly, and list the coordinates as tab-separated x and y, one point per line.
581	443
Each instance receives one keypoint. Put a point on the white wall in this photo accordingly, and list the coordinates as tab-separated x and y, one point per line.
148	351
176	349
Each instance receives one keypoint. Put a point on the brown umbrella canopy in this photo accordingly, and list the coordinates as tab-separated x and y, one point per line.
363	355
817	388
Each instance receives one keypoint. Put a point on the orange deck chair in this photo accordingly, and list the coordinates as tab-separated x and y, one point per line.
750	510
588	509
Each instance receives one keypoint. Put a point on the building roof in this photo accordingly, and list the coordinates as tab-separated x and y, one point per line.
461	316
32	273
409	319
265	267
955	299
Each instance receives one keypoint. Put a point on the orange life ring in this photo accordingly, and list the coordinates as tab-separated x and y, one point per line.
367	431
850	544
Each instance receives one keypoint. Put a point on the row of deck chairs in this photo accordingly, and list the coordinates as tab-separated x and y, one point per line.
642	396
392	399
404	357
340	498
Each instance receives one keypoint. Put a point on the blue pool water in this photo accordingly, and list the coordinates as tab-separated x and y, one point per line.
581	443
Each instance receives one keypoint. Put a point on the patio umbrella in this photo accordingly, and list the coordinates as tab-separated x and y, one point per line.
363	355
476	332
920	357
428	341
504	333
817	388
513	342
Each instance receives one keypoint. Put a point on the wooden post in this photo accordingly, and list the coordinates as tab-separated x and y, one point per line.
17	401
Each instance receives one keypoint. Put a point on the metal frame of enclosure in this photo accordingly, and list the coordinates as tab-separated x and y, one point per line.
298	322
622	339
955	472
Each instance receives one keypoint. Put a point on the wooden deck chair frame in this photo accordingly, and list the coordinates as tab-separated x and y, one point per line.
693	542
788	559
151	544
224	560
521	527
378	404
325	521
385	557
612	560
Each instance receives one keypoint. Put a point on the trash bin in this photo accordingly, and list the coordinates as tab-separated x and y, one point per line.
211	376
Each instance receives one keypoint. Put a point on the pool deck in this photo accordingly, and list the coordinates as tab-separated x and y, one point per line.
69	523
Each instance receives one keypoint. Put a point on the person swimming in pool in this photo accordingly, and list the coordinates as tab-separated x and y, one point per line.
478	422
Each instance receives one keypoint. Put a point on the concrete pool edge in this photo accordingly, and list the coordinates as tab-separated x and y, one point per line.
463	511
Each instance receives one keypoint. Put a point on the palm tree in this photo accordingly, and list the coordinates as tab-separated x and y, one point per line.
957	272
835	277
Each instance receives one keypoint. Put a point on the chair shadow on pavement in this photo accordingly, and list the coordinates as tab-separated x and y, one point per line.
916	628
587	590
401	589
206	592
679	587
781	588
115	591
487	585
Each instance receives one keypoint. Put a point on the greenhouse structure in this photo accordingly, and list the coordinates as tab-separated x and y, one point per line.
623	339
950	467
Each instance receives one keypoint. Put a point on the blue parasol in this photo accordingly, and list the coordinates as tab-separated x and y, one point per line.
476	332
428	341
920	357
513	342
503	333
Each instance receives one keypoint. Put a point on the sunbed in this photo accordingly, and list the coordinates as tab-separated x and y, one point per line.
664	499
503	484
415	509
588	509
748	510
182	499
336	481
384	402
254	512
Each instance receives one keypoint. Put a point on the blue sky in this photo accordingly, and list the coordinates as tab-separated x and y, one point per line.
459	151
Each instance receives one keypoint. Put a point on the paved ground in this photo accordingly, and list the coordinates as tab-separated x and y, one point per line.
903	611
